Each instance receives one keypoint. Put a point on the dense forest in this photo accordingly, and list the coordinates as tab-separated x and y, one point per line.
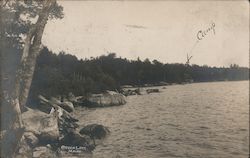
64	73
59	74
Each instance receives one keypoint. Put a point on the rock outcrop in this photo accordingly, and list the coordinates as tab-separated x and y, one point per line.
110	98
42	125
53	134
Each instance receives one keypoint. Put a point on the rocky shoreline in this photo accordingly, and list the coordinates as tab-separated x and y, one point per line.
52	130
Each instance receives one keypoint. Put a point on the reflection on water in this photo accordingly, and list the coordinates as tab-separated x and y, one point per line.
193	120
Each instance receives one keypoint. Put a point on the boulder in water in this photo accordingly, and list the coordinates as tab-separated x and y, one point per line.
95	131
152	91
73	138
110	98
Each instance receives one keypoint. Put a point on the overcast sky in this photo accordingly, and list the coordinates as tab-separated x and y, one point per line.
162	30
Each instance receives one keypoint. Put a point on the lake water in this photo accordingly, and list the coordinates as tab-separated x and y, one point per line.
208	120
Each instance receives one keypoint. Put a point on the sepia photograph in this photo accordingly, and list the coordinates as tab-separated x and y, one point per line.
124	78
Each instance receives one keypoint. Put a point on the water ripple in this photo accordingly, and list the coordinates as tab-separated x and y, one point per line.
196	120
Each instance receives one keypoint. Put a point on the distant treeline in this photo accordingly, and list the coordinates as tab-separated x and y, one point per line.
64	73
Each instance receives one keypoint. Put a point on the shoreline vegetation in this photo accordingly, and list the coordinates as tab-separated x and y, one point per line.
61	74
65	73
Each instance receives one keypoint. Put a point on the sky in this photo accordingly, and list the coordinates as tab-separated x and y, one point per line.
163	30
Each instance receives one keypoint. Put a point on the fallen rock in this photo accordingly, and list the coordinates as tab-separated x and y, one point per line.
152	91
42	125
95	131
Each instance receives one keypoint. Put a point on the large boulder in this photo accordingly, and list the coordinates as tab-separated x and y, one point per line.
95	131
110	98
73	139
42	125
152	91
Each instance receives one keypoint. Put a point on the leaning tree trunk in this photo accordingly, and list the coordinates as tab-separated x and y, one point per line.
23	81
31	51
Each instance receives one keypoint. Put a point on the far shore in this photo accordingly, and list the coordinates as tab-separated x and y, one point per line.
172	84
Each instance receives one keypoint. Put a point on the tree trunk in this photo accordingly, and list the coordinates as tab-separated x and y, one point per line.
23	81
30	54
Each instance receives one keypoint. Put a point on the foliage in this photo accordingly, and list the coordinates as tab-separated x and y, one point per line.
64	73
17	18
